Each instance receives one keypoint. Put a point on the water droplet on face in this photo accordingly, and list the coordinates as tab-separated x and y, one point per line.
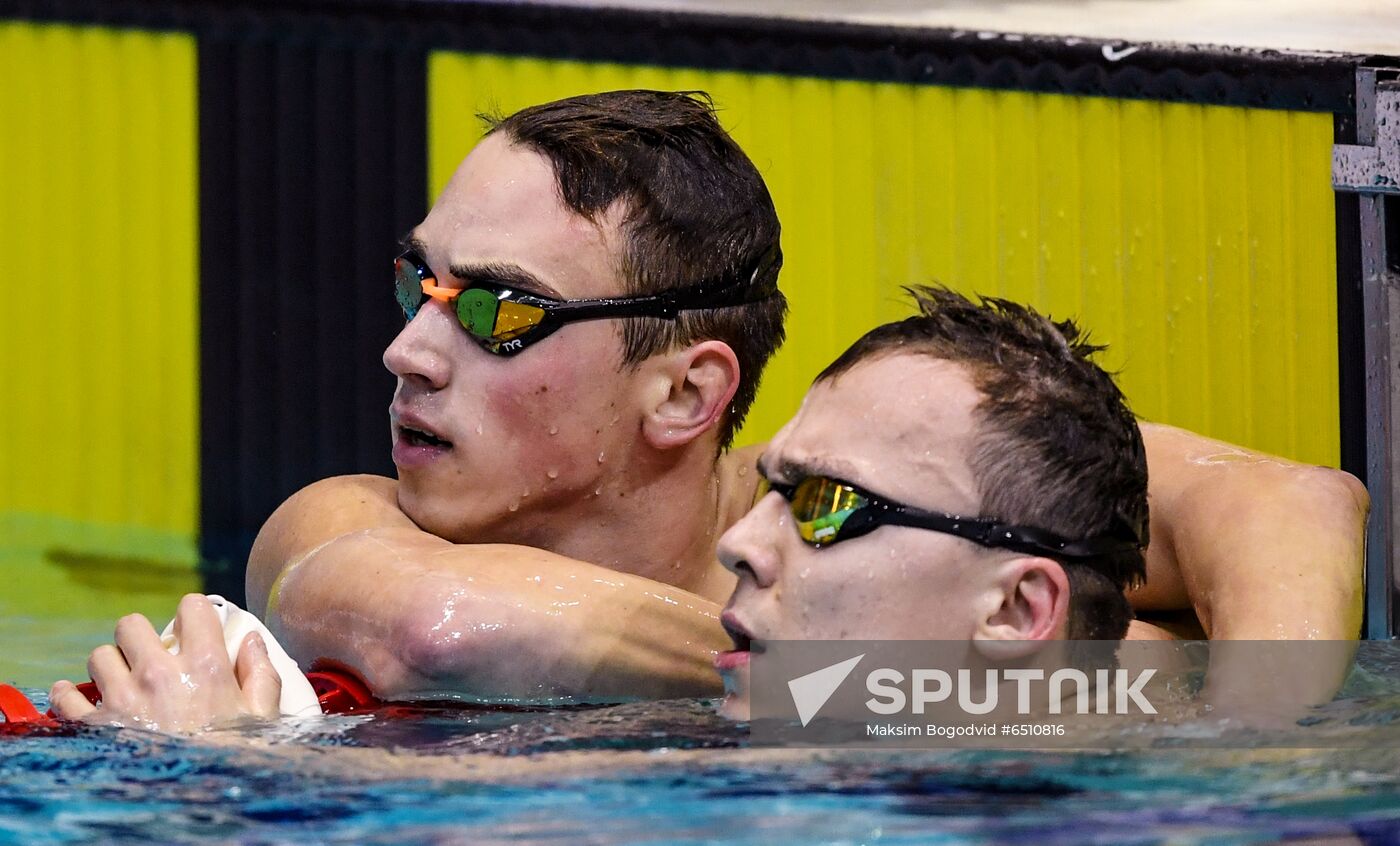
600	458
805	573
515	506
554	430
526	494
743	470
478	428
598	492
553	474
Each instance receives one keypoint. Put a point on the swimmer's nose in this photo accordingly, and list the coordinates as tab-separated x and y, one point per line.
751	548
421	352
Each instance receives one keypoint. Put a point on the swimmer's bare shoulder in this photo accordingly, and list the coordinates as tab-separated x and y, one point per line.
316	515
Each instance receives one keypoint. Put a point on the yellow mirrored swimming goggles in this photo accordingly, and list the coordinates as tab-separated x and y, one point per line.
829	511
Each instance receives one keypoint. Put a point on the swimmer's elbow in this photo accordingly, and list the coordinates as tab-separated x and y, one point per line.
1352	492
1340	504
1337	495
1289	492
460	647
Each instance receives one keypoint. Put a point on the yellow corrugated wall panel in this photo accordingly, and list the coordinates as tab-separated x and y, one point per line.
1197	241
98	250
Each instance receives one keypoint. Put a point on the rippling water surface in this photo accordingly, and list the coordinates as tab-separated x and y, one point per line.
670	772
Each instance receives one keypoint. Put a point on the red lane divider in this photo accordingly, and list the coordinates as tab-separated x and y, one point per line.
22	717
339	691
19	712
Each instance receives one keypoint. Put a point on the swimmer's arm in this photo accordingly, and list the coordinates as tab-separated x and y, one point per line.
313	516
417	615
1261	548
352	579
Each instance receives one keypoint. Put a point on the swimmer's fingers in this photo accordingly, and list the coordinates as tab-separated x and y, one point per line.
201	635
123	670
258	679
138	642
107	667
68	702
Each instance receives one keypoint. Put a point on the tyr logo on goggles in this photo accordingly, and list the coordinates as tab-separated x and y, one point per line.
829	511
505	321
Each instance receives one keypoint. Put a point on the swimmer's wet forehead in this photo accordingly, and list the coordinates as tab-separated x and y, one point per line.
502	211
900	425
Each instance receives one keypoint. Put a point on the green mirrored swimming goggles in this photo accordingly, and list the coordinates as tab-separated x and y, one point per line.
505	321
829	511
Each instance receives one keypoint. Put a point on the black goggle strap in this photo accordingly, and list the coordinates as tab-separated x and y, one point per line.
761	284
668	304
665	306
500	314
504	318
996	535
827	510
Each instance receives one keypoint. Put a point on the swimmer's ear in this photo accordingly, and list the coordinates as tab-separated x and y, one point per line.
685	393
1034	607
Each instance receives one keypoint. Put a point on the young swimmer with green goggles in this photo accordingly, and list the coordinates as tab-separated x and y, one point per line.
504	320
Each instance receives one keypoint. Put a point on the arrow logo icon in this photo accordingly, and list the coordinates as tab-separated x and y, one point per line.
810	692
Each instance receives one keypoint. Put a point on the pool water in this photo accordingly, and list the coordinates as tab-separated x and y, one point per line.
671	772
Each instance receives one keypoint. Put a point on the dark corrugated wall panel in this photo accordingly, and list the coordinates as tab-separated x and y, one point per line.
312	165
1351	342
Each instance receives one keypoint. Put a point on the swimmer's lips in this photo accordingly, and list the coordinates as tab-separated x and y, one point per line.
415	443
414	431
418	437
743	643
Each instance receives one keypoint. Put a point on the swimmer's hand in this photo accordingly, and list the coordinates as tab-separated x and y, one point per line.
144	686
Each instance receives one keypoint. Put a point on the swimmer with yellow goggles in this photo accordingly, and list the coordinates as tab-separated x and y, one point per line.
829	511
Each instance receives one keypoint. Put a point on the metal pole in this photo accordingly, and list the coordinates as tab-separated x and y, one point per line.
1371	168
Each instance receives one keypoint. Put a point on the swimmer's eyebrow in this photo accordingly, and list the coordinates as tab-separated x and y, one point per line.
791	471
491	272
412	243
503	273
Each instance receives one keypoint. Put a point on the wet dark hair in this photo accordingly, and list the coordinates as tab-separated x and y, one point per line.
1058	447
695	208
